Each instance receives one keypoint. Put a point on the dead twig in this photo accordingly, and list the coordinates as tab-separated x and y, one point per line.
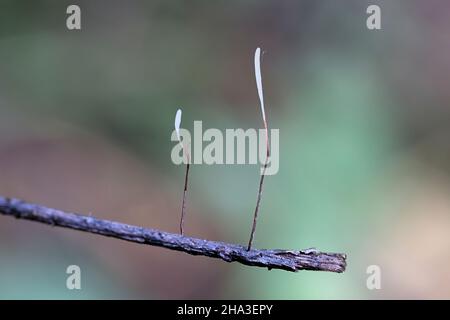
290	260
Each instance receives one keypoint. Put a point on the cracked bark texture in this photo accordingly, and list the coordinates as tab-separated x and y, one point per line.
290	260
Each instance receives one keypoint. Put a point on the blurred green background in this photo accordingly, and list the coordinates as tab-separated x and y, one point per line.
364	118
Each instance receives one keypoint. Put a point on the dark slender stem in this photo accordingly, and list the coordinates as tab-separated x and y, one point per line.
183	206
261	182
290	260
258	201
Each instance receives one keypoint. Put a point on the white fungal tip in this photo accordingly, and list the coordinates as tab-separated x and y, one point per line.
178	122
259	81
258	51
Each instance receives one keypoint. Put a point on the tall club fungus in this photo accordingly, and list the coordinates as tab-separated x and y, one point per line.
261	101
187	155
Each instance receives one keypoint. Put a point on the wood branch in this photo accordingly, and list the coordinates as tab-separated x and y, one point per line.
290	260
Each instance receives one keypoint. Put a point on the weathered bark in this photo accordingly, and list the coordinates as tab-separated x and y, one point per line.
290	260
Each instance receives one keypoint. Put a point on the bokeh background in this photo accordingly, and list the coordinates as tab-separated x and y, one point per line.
364	118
